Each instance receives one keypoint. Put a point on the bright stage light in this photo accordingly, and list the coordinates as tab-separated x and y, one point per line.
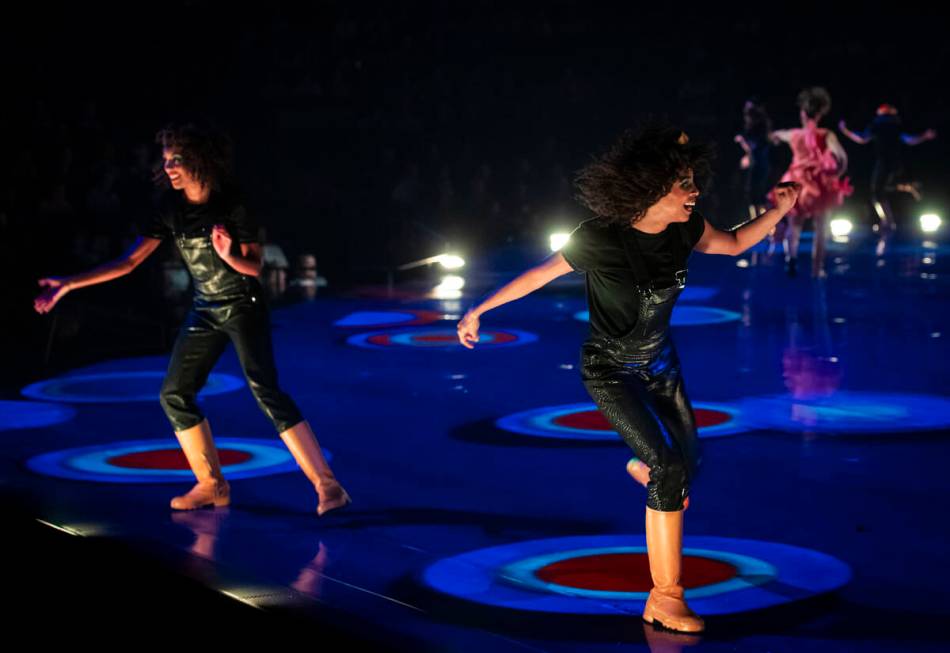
930	222
450	288
559	240
452	283
841	227
451	261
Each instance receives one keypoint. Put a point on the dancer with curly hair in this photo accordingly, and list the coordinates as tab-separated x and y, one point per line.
202	213
634	252
818	165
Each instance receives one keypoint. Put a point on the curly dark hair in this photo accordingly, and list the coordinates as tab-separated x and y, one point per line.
638	169
206	152
815	102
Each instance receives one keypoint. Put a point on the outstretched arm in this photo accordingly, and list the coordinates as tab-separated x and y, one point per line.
781	136
928	135
860	139
55	288
733	243
525	283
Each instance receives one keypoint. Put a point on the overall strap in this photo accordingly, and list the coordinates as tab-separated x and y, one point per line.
680	246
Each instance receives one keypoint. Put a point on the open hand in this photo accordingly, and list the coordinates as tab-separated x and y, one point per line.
786	194
221	240
468	330
54	289
842	125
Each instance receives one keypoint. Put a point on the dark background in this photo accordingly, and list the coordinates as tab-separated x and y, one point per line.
375	133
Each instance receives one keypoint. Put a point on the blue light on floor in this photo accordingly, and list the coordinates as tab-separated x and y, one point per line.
118	387
32	414
685	315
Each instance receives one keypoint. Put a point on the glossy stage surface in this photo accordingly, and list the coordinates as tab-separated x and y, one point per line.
492	510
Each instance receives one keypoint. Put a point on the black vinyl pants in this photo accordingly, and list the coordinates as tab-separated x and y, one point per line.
640	392
204	335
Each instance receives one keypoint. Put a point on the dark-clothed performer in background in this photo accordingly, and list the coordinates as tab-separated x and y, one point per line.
634	252
202	214
888	175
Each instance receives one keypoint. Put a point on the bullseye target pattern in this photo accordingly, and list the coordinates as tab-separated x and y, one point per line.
381	319
444	339
161	461
585	422
610	574
118	387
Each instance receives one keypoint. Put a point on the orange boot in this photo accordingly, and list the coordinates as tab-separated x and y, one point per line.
202	455
666	605
306	451
641	474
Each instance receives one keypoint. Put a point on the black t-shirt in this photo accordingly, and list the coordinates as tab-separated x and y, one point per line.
596	249
885	132
174	216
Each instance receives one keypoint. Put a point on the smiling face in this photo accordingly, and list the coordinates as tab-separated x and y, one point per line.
678	204
178	174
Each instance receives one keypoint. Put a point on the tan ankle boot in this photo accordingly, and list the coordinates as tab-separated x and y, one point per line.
666	606
202	455
305	449
641	474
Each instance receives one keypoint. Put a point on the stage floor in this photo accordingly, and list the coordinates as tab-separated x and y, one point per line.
491	507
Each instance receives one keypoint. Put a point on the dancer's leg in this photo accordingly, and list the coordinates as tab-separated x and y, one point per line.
792	238
202	455
303	444
250	332
622	399
666	604
198	347
818	245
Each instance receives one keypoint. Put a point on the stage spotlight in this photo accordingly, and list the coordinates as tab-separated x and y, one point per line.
841	227
451	261
452	283
450	288
559	240
930	222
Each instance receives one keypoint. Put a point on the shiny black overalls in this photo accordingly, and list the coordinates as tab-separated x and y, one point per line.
637	383
227	306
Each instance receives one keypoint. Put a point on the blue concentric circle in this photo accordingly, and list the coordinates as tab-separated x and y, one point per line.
686	315
118	387
92	463
542	423
32	414
767	574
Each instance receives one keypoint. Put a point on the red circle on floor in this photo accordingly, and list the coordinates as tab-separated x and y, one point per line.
629	572
172	459
592	420
436	337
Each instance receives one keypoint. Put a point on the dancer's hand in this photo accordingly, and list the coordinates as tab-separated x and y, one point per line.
842	125
786	194
55	288
468	330
930	134
745	162
221	240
